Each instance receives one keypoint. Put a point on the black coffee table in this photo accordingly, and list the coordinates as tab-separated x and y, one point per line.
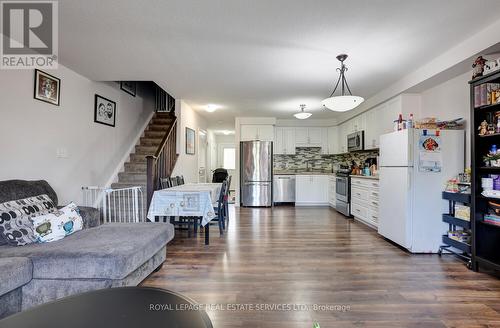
114	308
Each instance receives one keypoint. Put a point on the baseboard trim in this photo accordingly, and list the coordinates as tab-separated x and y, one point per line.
119	168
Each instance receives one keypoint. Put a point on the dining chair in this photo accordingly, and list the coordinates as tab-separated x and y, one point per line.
180	180
226	200
174	182
219	209
165	183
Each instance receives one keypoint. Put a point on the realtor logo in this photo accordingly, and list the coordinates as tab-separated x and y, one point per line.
29	34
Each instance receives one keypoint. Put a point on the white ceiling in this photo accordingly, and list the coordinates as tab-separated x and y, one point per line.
262	57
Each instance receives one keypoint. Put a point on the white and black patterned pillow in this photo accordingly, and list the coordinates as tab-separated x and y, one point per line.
16	225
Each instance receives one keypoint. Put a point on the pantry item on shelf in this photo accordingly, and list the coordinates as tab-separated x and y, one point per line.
494	207
491	193
478	67
492	160
465	177
483	128
462	212
456	124
485	94
487	184
495	97
452	185
459	235
492	219
426	123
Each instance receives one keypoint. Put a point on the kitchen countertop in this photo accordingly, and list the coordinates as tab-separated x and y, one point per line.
371	177
276	172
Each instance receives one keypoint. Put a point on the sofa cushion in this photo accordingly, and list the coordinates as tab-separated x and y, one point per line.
16	218
109	251
16	272
55	226
19	189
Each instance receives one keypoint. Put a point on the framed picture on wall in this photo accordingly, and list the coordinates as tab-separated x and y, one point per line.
104	111
129	87
47	88
190	141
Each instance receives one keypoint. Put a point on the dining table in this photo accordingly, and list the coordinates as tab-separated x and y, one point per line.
187	200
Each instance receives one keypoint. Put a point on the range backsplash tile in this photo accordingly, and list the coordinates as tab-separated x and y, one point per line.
317	160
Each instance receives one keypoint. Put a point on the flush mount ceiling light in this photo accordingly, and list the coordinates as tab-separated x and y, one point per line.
302	115
344	102
210	108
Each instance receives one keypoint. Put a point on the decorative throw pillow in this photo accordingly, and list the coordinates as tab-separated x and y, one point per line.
54	226
16	225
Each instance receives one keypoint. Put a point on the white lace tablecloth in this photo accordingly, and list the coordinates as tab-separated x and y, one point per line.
192	199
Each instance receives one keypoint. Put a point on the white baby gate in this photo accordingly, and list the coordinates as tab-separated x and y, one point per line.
116	205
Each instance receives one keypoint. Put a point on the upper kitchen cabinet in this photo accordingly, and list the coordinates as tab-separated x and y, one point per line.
261	132
356	124
374	127
333	140
284	142
309	137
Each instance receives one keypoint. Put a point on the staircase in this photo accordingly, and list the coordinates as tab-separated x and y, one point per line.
134	173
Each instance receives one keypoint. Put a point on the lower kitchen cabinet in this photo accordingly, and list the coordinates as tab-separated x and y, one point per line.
311	190
332	195
364	200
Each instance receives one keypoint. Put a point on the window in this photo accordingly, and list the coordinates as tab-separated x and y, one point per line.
228	159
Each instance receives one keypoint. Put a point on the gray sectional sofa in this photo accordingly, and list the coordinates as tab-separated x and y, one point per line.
99	256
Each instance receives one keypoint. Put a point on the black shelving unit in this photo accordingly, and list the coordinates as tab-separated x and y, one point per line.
485	237
450	244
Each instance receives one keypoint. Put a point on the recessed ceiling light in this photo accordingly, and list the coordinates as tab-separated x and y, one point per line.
210	108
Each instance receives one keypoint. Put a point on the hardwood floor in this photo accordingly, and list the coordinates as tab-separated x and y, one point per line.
288	255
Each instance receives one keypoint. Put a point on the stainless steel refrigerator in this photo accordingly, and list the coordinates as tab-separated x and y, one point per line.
256	167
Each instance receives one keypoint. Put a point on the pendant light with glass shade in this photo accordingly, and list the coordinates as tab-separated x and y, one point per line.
344	102
302	115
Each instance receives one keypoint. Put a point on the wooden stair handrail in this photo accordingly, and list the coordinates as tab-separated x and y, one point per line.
164	140
154	171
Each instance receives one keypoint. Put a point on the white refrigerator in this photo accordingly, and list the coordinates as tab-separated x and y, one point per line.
410	202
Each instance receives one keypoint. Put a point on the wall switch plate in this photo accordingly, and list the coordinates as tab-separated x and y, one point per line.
62	153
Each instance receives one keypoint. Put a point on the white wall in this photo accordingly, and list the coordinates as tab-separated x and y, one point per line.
187	165
450	100
31	131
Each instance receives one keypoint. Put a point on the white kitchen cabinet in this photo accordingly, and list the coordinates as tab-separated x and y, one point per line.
374	126
333	140
332	199
309	137
311	190
315	136
364	200
261	132
284	142
343	132
301	136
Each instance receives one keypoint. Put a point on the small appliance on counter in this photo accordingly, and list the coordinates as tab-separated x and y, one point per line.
342	190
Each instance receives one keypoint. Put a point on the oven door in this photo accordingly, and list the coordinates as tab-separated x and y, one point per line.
342	189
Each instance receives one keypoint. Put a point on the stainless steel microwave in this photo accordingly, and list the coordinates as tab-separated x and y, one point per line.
356	141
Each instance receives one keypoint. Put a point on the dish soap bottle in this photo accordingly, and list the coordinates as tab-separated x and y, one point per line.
409	124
